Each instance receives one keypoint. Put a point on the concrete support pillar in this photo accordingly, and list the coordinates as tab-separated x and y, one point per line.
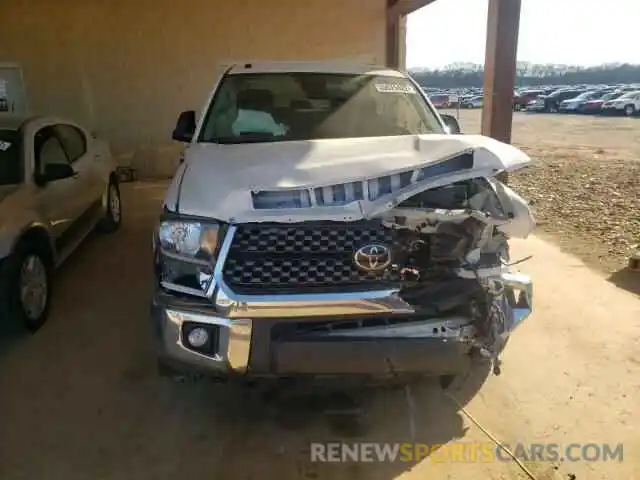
397	11
500	68
393	42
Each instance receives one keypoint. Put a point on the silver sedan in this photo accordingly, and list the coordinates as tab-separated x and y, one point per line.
57	183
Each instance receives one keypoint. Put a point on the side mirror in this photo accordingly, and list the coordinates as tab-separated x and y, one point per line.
53	172
451	123
185	127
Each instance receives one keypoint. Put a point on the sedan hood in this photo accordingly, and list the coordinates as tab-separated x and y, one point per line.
226	182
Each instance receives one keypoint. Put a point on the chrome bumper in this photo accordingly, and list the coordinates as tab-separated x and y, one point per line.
234	340
235	315
236	332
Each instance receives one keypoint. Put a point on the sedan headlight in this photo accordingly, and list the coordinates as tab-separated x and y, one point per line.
186	255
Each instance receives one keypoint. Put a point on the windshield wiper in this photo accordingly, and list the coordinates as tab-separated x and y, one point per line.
245	137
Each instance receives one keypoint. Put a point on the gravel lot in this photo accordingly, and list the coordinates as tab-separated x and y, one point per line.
584	185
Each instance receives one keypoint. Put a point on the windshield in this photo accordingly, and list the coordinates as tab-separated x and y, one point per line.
587	95
10	158
611	96
628	95
267	107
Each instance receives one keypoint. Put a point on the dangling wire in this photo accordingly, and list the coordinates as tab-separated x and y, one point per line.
517	262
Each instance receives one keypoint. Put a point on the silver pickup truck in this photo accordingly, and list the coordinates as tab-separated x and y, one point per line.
57	182
327	221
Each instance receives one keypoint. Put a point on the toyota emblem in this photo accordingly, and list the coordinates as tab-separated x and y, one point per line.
372	258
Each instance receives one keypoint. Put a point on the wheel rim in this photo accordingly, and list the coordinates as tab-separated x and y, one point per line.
629	110
114	203
33	287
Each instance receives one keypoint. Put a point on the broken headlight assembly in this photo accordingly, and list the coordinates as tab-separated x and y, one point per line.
185	254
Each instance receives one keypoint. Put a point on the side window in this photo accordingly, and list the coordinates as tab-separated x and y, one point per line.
73	141
48	149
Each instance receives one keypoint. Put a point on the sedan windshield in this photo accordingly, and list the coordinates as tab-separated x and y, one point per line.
10	158
587	96
628	95
611	96
268	107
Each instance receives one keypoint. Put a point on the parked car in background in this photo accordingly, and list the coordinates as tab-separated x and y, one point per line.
627	104
473	102
572	105
440	100
57	182
595	105
551	103
524	97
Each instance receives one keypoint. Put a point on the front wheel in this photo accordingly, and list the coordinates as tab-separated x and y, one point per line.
113	215
630	110
25	286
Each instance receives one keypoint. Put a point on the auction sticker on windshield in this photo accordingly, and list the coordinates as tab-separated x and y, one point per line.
394	88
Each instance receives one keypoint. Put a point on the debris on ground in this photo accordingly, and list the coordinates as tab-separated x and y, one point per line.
589	203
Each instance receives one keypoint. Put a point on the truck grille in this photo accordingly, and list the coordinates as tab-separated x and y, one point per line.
300	258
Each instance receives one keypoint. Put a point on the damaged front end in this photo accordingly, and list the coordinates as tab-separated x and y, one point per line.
430	265
405	272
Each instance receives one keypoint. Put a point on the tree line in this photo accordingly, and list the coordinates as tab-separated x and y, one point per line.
529	74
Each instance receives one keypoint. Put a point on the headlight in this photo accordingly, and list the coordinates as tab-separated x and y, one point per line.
188	239
186	255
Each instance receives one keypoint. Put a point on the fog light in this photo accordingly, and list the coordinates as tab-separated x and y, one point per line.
198	337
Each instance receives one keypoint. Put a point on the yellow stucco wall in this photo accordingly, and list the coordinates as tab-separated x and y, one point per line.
126	68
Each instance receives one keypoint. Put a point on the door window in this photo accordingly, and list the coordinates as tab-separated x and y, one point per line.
48	149
73	141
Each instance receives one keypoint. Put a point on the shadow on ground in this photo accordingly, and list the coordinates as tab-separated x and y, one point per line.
627	279
275	434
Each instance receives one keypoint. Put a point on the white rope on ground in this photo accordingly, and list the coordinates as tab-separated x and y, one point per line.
412	411
497	442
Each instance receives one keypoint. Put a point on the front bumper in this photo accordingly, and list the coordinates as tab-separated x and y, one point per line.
245	343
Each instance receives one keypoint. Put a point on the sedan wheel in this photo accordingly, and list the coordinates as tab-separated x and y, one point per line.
629	110
25	285
114	203
34	287
113	215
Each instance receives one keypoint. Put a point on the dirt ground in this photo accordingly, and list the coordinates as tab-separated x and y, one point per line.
81	399
584	185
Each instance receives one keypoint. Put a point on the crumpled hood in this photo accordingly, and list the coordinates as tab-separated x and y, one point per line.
219	179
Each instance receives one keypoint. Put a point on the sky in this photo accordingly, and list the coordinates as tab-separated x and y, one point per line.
582	32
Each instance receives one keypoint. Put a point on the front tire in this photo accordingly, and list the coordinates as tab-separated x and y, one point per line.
113	215
630	110
25	286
